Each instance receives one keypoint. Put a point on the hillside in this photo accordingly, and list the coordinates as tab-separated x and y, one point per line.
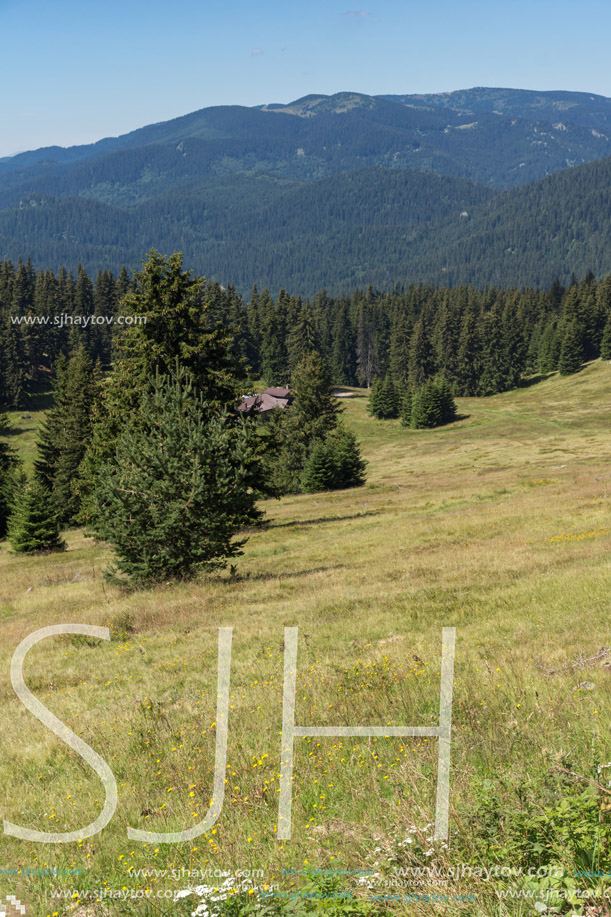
498	525
373	226
482	186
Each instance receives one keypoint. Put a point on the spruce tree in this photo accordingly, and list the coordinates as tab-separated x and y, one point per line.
348	463
66	433
34	526
173	496
315	409
177	327
384	400
406	408
400	338
605	344
375	397
571	349
549	348
468	358
301	339
8	467
334	463
368	364
343	361
494	375
313	413
274	355
319	472
421	360
432	405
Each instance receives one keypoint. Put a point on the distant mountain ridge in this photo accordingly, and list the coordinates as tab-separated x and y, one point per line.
332	190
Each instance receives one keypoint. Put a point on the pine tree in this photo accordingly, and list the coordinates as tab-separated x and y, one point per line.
571	349
34	526
171	499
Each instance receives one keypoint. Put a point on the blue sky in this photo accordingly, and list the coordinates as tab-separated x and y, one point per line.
73	72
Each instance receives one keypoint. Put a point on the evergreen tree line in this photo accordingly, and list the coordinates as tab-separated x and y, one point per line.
481	341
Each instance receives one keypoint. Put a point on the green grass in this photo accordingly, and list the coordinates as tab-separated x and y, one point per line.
499	524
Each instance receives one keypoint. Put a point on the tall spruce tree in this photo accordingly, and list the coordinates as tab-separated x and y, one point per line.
367	358
343	358
302	338
572	348
421	359
66	433
274	354
177	488
468	357
400	338
177	326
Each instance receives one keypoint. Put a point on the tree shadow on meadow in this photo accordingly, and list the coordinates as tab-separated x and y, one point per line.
289	574
322	519
534	380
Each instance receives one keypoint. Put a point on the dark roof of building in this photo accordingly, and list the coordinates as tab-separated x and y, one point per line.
278	392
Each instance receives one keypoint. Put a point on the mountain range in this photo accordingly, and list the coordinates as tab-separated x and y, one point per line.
483	186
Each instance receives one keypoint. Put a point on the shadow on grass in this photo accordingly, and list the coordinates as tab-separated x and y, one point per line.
16	431
256	577
40	397
534	380
321	519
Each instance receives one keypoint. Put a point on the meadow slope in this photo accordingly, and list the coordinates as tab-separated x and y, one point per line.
499	525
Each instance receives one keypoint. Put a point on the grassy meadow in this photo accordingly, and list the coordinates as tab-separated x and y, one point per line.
499	525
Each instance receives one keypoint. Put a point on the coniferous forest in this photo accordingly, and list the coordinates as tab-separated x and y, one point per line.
481	341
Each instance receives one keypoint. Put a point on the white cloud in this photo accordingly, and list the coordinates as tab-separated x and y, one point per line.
358	13
256	51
